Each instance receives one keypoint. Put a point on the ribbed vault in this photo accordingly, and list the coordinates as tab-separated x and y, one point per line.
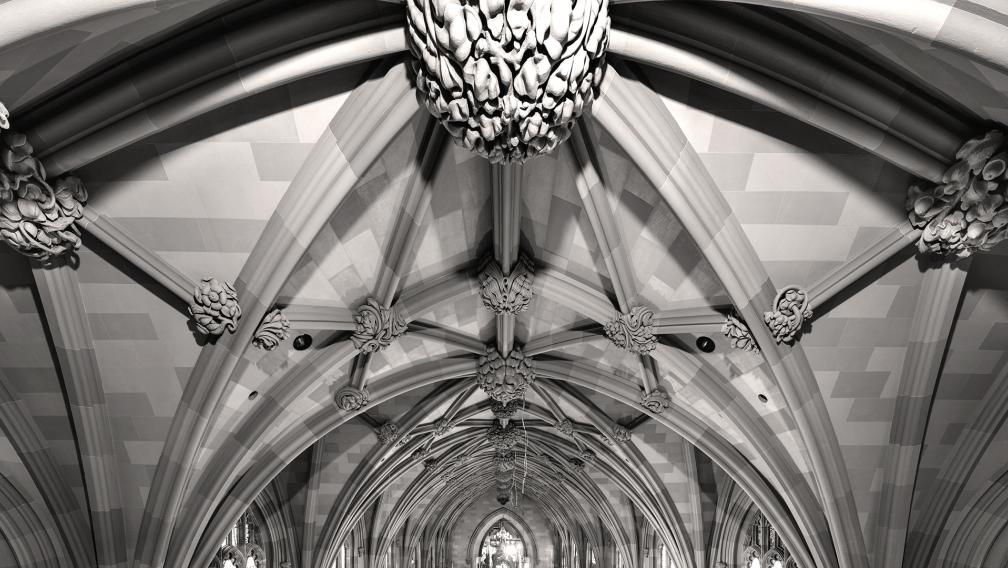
583	345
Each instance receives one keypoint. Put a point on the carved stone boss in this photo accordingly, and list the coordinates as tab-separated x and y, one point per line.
504	379
509	294
37	219
791	311
633	331
507	78
968	211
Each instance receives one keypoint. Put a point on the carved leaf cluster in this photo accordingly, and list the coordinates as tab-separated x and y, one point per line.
620	434
351	398
502	410
507	78
274	330
739	334
442	426
633	331
507	294
214	307
503	438
36	219
377	327
791	311
566	427
504	379
968	211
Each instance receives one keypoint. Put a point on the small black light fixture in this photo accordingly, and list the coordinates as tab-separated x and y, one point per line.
705	344
762	398
253	395
302	342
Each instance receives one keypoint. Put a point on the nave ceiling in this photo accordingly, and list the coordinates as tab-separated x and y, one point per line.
734	151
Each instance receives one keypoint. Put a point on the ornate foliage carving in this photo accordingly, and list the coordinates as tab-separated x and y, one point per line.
351	398
656	401
420	453
4	117
503	438
587	456
504	411
388	433
633	331
504	379
566	427
504	461
507	78
274	329
620	434
442	426
214	307
968	210
36	219
377	326
507	294
791	310
429	463
738	332
575	464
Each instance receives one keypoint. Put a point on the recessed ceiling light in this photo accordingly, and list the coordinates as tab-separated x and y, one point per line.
302	342
705	344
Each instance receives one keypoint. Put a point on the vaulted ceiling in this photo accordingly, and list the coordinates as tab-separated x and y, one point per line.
734	151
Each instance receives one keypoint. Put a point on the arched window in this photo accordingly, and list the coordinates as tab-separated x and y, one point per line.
242	547
764	547
502	548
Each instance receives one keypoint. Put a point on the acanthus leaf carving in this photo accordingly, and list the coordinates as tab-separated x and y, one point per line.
633	331
214	307
968	211
504	379
791	311
507	78
509	294
656	401
351	398
376	326
739	334
37	219
504	410
274	330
